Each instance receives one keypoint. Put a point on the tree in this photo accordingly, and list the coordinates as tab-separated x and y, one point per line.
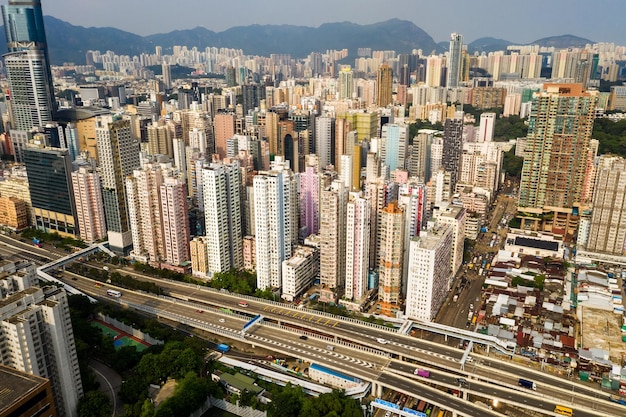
94	404
331	404
511	127
287	403
511	164
147	409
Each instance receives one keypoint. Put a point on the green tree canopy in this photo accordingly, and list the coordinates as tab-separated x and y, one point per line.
511	164
94	404
611	135
287	403
333	404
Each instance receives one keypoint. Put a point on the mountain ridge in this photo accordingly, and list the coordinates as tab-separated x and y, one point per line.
69	43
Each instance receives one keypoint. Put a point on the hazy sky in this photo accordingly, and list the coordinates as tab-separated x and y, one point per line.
520	21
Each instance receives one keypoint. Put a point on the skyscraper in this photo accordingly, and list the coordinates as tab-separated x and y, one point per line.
333	201
394	143
175	218
275	217
31	89
325	140
390	244
224	125
455	54
357	246
49	181
223	216
452	146
37	338
427	276
345	83
89	209
607	232
559	130
384	86
118	156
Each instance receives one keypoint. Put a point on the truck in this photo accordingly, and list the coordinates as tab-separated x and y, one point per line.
223	347
527	384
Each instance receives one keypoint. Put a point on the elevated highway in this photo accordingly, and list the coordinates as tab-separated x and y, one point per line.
356	350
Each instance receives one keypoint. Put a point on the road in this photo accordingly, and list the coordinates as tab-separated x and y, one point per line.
110	383
369	361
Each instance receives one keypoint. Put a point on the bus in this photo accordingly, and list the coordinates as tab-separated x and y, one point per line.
564	411
114	293
243	304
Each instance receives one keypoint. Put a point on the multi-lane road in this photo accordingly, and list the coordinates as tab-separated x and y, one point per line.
357	349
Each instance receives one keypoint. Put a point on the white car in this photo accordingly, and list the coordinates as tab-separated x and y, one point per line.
382	341
222	320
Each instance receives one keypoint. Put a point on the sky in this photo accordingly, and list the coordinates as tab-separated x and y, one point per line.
521	21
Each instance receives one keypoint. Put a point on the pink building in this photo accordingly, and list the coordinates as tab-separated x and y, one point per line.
89	206
309	200
224	125
175	221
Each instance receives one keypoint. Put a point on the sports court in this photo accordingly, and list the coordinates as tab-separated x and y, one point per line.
120	339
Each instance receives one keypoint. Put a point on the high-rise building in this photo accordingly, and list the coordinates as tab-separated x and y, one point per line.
452	146
89	208
175	218
427	284
275	217
31	89
333	201
394	143
553	172
384	86
419	161
345	83
455	55
299	271
224	125
607	232
223	216
357	246
454	216
167	75
37	336
434	69
390	242
309	200
252	94
118	156
487	124
160	140
50	184
325	140
413	197
144	211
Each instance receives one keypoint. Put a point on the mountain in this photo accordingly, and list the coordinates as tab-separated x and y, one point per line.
488	44
299	41
563	41
69	43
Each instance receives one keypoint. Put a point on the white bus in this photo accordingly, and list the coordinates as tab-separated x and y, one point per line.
114	293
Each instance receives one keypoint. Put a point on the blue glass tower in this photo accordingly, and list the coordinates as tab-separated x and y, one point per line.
31	89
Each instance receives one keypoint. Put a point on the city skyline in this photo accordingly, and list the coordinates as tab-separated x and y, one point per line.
534	21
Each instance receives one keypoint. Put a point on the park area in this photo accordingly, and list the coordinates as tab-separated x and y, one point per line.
120	339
